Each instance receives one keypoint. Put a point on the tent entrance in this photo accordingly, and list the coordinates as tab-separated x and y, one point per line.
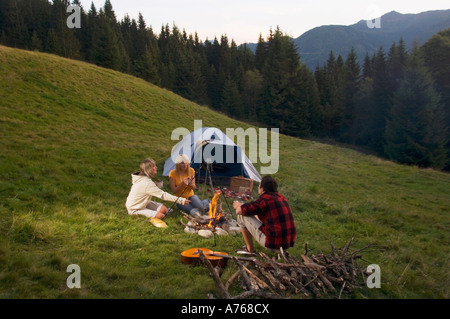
219	160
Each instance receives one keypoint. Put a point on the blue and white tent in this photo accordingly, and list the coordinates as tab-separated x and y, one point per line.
211	145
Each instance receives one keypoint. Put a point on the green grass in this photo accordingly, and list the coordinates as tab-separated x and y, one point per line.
71	134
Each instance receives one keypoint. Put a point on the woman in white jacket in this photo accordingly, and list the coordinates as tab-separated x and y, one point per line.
139	199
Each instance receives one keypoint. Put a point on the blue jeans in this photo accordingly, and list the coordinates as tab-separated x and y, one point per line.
201	205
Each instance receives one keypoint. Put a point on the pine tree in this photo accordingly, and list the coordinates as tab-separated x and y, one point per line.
436	54
396	63
84	34
367	67
219	58
364	106
167	68
230	101
415	132
12	24
252	86
142	49
129	32
90	29
65	43
381	95
350	86
105	47
190	82
36	43
290	95
330	88
37	18
304	101
280	64
261	54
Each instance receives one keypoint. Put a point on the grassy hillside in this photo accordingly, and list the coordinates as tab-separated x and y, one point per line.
71	134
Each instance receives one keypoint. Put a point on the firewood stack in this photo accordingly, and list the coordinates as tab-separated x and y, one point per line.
312	276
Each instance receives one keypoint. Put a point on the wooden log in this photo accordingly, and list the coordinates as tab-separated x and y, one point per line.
311	264
283	254
334	279
197	227
261	284
310	285
319	270
344	271
336	270
306	248
225	294
327	283
342	289
296	274
275	283
307	276
231	279
311	275
344	250
333	251
279	273
250	285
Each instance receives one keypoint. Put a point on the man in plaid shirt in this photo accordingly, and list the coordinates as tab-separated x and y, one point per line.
268	219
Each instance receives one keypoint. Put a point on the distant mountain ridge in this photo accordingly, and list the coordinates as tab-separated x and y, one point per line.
314	46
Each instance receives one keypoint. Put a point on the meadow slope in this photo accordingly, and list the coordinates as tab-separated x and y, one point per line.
71	134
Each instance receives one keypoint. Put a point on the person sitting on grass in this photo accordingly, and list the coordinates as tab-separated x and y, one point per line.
268	219
143	188
182	183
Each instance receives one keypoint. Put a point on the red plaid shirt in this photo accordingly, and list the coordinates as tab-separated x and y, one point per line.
276	215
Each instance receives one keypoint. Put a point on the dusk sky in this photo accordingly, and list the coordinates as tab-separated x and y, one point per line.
244	20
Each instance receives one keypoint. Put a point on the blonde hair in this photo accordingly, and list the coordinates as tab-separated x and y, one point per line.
182	158
146	166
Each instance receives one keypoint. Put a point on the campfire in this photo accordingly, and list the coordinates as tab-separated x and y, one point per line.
215	212
216	222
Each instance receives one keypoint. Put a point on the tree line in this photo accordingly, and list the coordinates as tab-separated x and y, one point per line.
396	104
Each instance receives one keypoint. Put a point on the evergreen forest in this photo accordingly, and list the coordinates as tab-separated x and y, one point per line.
395	103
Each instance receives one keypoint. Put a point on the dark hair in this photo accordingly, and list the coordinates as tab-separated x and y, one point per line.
268	184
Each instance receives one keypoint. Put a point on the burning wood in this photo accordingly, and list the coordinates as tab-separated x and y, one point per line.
217	221
215	210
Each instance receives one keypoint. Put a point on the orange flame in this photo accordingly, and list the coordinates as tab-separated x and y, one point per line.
213	215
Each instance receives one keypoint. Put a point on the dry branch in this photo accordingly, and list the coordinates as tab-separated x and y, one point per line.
314	275
225	294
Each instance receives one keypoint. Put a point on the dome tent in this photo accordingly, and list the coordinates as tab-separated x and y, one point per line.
211	145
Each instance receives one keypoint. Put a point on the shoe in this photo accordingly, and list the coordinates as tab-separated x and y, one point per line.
244	251
158	222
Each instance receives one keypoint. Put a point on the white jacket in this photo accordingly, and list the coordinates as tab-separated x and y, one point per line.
143	189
